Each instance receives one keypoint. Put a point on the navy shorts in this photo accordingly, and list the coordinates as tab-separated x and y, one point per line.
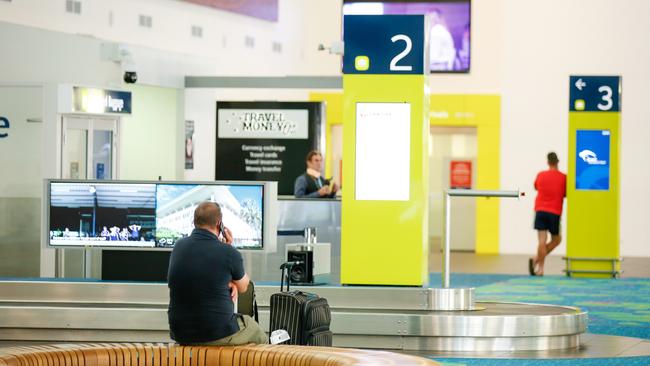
547	221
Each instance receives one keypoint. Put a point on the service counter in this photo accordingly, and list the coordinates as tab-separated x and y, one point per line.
294	215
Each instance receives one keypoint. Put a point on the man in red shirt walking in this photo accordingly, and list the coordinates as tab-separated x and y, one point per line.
551	190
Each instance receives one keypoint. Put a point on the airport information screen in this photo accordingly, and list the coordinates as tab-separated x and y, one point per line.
448	33
148	215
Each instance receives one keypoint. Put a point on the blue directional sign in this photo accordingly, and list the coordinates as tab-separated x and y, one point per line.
592	162
4	123
594	93
384	44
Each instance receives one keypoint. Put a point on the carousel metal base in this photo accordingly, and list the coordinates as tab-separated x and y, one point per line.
362	317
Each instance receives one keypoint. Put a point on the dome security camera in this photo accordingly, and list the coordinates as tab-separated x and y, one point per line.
130	77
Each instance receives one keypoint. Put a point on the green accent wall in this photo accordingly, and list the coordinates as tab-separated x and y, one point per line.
151	145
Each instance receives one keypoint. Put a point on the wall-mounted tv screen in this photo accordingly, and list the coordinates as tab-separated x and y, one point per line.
148	215
241	207
449	27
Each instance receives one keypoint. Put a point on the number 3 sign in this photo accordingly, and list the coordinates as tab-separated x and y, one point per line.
594	93
384	44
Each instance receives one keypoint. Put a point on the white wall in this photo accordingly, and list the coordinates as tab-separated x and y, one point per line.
20	180
301	26
486	53
543	43
36	56
20	151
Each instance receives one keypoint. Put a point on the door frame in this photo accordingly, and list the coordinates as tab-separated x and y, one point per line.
90	123
484	113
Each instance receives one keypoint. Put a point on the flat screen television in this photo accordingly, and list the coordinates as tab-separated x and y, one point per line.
449	27
118	214
241	207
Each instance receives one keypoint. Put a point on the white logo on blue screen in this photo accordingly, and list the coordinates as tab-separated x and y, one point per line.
591	158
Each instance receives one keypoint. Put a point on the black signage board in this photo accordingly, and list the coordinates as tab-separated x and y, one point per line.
267	141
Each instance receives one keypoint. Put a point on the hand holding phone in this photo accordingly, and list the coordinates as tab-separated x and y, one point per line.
225	233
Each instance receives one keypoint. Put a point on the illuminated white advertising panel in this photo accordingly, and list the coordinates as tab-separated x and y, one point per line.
383	147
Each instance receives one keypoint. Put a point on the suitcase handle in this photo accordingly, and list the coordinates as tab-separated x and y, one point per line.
288	266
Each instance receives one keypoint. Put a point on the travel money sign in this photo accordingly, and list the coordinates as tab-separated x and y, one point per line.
266	141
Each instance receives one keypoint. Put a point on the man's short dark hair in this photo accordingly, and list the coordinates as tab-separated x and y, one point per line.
552	158
207	214
311	154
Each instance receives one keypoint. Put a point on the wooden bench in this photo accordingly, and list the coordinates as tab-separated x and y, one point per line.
148	354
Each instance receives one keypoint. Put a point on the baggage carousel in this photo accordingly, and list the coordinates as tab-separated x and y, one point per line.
363	317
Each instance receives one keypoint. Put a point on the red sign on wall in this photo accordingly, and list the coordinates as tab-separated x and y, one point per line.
460	174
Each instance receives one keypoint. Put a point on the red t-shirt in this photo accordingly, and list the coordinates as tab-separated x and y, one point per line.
551	190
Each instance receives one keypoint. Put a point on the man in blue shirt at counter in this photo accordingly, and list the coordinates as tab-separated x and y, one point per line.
312	184
205	275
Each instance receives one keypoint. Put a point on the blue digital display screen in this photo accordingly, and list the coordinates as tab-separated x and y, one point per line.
592	160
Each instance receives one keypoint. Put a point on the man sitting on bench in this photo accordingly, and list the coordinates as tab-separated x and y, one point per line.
205	275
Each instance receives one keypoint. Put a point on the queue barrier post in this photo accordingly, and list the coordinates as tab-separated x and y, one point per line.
447	242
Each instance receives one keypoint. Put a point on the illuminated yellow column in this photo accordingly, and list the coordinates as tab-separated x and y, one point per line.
384	230
593	198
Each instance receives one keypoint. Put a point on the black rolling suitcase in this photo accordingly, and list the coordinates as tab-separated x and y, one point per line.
305	316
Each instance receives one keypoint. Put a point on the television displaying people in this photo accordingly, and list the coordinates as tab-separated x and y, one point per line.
241	205
148	215
114	233
124	234
449	28
135	231
82	214
442	51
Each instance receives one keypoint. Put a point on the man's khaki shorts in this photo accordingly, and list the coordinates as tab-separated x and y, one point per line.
249	332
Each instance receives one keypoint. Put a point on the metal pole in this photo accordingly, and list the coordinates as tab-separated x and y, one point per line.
481	193
59	263
88	267
446	243
84	263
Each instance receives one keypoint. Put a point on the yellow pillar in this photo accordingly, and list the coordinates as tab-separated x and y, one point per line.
384	229
593	202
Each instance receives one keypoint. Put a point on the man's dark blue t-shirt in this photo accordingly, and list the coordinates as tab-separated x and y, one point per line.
200	308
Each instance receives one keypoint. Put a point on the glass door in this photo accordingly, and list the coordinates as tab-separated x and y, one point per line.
74	155
89	148
88	151
103	153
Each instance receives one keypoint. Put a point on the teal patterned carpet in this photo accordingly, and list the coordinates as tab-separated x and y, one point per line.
619	307
616	307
